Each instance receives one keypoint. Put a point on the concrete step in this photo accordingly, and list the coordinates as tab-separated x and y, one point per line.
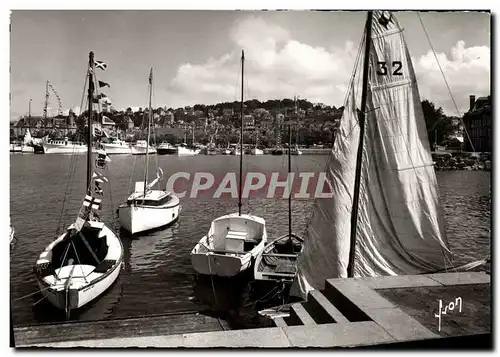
323	310
299	315
280	322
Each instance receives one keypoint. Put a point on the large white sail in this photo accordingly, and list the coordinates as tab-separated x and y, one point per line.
400	226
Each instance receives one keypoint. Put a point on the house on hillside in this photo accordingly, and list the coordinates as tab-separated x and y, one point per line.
477	123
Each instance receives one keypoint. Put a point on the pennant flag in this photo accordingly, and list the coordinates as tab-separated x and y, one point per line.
100	64
92	202
97	188
101	154
103	84
79	223
99	177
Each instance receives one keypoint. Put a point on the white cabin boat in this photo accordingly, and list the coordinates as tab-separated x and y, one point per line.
146	208
115	146
166	149
231	245
144	212
184	150
64	146
142	147
234	240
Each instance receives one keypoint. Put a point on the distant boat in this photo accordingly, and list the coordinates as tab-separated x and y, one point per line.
277	151
184	150
16	146
211	149
234	240
141	147
166	149
86	259
296	151
115	146
64	146
146	208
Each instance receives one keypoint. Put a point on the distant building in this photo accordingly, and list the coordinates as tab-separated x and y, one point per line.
248	122
227	112
477	123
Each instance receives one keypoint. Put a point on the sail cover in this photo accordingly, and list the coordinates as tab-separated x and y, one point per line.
400	226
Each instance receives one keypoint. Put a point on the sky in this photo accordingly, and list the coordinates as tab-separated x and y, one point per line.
195	56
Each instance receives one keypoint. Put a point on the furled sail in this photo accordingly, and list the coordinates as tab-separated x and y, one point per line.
400	225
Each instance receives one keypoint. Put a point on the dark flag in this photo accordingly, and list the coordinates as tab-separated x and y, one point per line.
103	84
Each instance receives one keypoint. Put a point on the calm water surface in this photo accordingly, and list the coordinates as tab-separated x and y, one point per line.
157	276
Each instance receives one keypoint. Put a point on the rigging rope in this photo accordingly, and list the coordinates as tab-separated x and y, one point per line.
446	82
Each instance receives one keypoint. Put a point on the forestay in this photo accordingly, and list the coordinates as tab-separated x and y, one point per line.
400	226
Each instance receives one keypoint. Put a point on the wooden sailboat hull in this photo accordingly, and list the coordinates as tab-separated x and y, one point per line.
234	243
72	286
77	298
141	218
277	262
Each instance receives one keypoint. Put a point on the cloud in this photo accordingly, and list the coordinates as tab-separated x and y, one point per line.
279	66
276	66
467	72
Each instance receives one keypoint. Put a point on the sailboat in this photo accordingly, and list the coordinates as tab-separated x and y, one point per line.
85	260
295	150
184	150
255	150
145	208
234	240
385	217
277	262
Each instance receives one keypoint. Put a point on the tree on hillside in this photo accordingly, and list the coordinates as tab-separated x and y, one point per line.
439	126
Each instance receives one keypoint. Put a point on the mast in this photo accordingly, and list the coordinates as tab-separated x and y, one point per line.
241	133
89	135
46	103
29	109
149	130
291	186
362	116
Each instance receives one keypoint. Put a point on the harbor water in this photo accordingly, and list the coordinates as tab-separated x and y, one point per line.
157	276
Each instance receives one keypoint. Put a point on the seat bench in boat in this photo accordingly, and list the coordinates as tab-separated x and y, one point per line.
240	235
279	255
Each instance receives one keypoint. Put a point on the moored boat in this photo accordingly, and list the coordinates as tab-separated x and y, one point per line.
141	147
147	208
85	260
234	240
166	149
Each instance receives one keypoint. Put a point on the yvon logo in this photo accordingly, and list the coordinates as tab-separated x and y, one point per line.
303	185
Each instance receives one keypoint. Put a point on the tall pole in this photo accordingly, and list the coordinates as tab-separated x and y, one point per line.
149	130
291	186
241	132
46	103
362	117
90	126
29	109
